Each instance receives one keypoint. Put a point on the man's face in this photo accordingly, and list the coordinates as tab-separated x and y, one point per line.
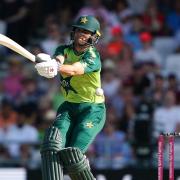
81	36
170	99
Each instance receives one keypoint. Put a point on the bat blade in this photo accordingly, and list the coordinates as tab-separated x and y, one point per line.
11	44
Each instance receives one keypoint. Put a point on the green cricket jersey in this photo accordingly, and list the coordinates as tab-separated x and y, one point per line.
81	88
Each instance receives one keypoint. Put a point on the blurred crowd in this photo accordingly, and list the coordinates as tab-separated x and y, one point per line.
140	53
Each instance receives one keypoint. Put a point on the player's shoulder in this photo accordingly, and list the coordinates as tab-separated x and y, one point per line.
62	47
92	52
92	58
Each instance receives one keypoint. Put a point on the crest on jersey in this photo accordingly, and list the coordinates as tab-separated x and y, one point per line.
89	124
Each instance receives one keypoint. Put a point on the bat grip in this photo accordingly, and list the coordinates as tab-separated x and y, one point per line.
38	60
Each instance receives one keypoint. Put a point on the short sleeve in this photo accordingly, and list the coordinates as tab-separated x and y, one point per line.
91	61
59	51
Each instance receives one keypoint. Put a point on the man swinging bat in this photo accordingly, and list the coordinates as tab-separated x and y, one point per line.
82	116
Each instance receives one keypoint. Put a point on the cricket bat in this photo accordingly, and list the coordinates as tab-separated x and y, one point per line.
11	44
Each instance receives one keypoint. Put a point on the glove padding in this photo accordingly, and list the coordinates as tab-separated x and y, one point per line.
42	57
48	69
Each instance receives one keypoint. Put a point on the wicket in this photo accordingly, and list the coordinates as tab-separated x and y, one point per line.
161	141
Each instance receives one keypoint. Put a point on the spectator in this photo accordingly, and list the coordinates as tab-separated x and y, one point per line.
15	13
24	155
173	85
105	38
29	156
18	134
139	80
133	37
165	6
127	118
112	117
110	82
8	116
124	97
120	6
147	53
53	39
167	116
64	17
45	121
124	66
116	43
138	6
138	25
96	8
153	19
36	49
173	18
111	149
117	46
15	76
29	97
126	21
157	90
172	82
4	155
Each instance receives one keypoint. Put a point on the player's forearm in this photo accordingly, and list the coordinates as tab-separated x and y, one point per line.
60	58
70	70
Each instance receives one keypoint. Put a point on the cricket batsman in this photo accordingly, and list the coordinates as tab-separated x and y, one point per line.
82	116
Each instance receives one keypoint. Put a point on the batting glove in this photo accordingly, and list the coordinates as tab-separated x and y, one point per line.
48	69
42	57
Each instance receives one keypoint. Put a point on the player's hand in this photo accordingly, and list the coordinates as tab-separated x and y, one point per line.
48	69
42	57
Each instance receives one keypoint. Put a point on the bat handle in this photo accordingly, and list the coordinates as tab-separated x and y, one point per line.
38	60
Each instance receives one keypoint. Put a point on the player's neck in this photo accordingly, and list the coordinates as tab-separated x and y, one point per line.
80	50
